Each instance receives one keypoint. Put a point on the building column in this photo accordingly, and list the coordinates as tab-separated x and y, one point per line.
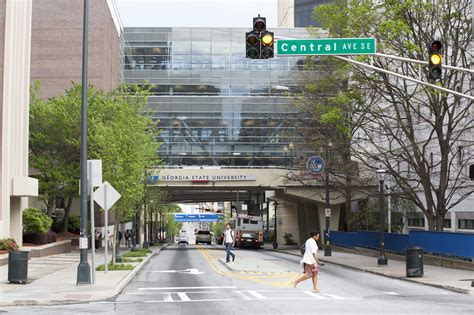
15	184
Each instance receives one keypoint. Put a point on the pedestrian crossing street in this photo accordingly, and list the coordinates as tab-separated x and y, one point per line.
214	294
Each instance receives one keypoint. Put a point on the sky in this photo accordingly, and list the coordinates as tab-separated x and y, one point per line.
195	13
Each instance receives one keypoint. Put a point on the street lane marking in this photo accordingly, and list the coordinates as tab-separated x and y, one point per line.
180	301
257	295
187	288
167	297
183	296
191	271
392	293
242	295
333	296
315	295
171	292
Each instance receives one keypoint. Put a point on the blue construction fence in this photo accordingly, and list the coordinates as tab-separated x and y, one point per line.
441	243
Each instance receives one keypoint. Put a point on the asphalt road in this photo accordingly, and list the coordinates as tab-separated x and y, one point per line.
194	280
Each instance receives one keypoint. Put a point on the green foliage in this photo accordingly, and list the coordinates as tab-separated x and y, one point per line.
128	260
8	244
142	252
35	221
288	237
118	134
115	267
74	224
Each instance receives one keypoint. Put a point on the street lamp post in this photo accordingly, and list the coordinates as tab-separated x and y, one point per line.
275	242
145	237
84	269
382	260
327	210
291	146
285	149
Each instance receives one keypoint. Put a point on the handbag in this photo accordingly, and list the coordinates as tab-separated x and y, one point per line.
303	249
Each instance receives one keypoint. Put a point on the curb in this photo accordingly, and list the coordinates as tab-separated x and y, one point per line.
116	290
440	286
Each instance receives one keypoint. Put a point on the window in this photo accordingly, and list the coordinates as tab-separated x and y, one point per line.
447	223
464	224
417	222
471	171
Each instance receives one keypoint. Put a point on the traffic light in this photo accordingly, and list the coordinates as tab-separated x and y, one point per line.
252	41
435	50
267	44
259	42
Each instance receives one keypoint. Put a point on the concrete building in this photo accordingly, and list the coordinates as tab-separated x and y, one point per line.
227	123
297	13
42	40
56	45
15	48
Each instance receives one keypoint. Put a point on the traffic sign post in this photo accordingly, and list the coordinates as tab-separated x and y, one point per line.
326	46
106	196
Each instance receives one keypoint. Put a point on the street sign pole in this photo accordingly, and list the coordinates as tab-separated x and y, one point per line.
106	250
92	224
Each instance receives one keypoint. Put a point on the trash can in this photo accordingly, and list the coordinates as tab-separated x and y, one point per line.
18	266
414	262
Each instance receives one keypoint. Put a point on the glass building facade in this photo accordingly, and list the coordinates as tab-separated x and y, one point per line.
214	106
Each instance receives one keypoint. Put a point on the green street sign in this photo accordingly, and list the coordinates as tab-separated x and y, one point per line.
326	46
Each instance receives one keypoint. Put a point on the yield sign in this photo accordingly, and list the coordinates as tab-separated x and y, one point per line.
106	196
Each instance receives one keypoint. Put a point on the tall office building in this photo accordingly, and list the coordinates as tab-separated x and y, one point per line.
215	107
297	13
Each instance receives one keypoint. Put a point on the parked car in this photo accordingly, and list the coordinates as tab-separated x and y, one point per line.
248	240
203	236
183	239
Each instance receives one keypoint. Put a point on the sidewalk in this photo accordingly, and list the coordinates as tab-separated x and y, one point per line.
52	280
441	277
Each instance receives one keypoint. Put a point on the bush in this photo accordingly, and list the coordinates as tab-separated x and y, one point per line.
35	238
51	237
35	221
8	244
288	237
74	224
115	267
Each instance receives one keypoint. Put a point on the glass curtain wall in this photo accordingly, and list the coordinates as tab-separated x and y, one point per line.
214	106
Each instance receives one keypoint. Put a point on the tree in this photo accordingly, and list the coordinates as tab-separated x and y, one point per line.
421	136
54	147
326	102
118	134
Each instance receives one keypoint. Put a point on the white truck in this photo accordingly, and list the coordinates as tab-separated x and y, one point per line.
248	231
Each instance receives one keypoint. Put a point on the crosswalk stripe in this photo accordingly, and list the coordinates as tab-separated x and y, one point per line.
187	288
315	295
183	296
167	297
333	296
257	295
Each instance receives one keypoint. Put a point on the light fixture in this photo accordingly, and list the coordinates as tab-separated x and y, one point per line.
381	173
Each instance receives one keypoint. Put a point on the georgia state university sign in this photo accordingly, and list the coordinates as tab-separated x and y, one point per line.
202	178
